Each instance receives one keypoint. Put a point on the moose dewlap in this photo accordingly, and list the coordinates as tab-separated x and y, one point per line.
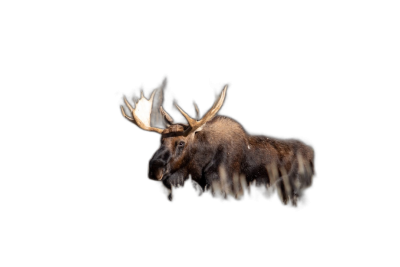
220	156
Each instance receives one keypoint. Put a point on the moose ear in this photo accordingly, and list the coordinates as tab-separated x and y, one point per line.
168	120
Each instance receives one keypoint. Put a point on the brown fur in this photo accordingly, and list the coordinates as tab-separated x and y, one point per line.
222	150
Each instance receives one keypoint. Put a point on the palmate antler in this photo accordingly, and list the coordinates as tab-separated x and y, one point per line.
142	111
196	124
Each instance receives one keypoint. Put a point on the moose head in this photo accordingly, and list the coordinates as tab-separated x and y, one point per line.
177	140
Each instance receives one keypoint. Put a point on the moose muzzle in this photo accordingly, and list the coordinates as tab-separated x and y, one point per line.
156	170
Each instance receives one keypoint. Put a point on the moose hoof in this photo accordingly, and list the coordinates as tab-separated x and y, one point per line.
295	201
224	195
197	188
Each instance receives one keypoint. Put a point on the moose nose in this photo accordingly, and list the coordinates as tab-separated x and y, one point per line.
157	163
156	169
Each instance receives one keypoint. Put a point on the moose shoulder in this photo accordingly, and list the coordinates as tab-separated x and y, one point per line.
219	155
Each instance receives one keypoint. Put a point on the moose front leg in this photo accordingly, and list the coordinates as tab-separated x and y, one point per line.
197	187
176	180
167	185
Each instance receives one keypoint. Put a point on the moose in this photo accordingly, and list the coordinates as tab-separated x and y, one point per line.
219	155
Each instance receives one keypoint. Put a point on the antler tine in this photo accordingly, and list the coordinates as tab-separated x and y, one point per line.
191	121
166	116
127	103
216	107
194	124
197	111
126	116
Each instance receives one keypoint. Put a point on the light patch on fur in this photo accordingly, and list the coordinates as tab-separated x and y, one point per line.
200	128
248	146
304	165
273	173
239	183
143	110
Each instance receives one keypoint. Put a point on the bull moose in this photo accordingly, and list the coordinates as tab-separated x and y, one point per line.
220	155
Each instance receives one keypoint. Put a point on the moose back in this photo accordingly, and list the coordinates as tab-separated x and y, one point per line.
220	155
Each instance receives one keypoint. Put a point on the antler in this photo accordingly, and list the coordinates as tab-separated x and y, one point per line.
195	124
166	116
141	113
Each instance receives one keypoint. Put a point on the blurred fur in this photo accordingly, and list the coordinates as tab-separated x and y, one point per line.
219	155
223	158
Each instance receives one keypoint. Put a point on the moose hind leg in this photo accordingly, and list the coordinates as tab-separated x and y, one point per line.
280	187
295	190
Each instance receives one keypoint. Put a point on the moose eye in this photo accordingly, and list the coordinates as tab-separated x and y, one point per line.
181	143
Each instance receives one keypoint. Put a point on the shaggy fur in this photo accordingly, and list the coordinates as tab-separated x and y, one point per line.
218	153
223	157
